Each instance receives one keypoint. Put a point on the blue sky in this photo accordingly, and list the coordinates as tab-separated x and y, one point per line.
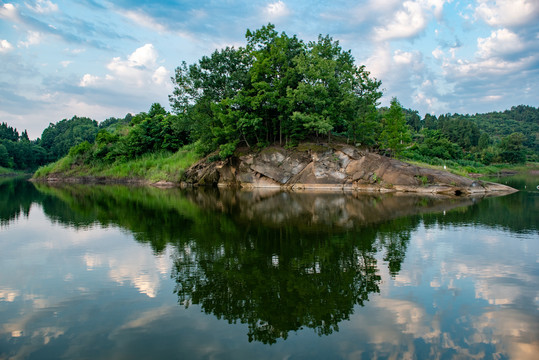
107	58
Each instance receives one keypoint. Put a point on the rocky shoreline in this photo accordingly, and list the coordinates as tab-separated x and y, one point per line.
332	168
312	167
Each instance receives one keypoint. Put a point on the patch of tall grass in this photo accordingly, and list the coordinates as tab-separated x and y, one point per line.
153	166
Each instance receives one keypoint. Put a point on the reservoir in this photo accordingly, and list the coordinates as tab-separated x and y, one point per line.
117	272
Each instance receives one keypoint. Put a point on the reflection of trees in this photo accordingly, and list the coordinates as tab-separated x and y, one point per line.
275	261
16	197
516	212
278	280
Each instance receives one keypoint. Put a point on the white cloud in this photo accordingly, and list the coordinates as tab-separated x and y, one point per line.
438	53
383	5
5	46
78	51
277	9
436	6
65	63
408	22
140	68
143	19
487	67
379	62
408	19
34	38
43	6
88	80
500	42
145	56
403	57
160	75
432	104
492	98
508	12
9	11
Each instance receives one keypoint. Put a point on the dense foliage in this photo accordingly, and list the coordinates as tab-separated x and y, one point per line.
17	151
58	138
511	136
276	89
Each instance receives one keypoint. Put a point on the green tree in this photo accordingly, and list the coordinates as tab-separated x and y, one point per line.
198	88
484	141
276	89
436	144
512	150
412	119
430	122
8	132
395	134
5	159
58	138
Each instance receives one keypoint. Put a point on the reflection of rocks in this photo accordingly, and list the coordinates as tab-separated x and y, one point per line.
307	209
339	167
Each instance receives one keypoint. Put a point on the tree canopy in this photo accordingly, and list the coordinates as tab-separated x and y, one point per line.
276	89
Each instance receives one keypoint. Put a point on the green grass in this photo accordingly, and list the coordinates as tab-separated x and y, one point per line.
152	167
465	170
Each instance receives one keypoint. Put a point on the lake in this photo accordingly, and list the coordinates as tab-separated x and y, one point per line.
115	272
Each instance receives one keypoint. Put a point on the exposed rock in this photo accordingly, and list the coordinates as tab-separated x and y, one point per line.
337	167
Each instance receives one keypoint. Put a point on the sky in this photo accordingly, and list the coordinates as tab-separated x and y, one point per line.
104	59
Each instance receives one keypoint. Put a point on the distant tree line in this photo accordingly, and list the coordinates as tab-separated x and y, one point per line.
511	136
17	151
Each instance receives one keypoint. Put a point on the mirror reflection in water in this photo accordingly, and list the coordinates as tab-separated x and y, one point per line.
267	264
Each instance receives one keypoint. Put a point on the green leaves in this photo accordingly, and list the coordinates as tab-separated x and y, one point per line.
275	90
395	134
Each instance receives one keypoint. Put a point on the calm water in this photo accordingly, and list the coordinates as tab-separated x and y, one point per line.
112	272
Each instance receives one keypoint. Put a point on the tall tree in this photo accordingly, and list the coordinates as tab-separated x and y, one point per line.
512	149
395	134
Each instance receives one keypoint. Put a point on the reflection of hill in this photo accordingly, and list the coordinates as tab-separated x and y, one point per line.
275	261
314	210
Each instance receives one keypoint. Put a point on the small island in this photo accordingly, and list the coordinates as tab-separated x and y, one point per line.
281	113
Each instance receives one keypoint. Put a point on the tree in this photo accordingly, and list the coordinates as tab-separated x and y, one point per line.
484	141
512	150
58	138
276	89
5	159
198	88
412	119
24	136
430	122
395	134
8	133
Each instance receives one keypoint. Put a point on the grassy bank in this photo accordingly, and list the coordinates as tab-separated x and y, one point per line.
166	166
152	167
479	169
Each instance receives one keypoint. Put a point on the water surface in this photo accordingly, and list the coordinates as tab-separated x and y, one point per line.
123	272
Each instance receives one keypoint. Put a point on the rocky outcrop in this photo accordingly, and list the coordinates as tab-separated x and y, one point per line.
335	167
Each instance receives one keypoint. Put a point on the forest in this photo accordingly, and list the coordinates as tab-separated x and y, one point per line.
278	89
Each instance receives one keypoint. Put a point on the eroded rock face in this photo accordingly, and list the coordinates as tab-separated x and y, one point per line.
337	167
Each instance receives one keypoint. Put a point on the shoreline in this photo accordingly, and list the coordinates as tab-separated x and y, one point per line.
478	188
